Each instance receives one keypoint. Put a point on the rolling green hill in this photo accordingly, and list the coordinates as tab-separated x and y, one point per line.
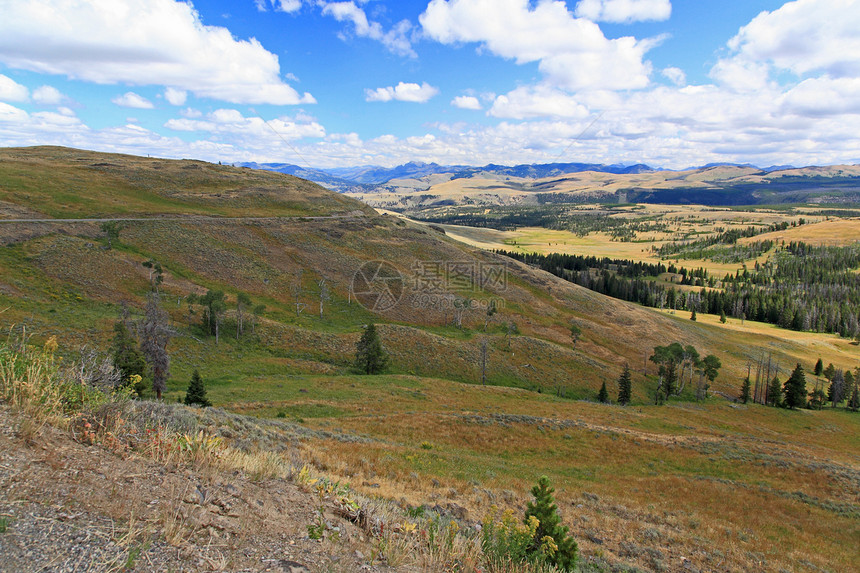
284	241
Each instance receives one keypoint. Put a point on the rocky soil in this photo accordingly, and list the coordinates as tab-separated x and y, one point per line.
67	506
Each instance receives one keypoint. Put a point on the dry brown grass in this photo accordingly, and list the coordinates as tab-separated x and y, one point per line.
836	233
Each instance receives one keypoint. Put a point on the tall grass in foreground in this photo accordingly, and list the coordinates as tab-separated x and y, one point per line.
43	390
36	383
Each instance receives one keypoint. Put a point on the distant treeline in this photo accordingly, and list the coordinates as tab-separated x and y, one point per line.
549	217
619	278
801	287
690	250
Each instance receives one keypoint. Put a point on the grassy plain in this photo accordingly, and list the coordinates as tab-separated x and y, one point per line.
684	223
721	485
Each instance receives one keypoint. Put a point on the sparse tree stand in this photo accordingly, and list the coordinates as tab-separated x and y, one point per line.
155	333
370	357
111	230
214	306
196	393
817	399
795	389
667	359
575	334
156	273
545	511
625	386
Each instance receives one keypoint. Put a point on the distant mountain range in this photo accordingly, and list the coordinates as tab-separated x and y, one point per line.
358	179
421	185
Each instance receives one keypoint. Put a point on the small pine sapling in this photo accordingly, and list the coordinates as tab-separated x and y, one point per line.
745	390
603	395
196	393
625	386
370	357
551	538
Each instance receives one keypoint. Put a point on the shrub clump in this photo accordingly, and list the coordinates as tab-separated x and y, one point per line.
538	540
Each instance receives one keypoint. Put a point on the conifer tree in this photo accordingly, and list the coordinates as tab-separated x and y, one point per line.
625	386
745	390
819	368
854	401
370	357
545	511
774	393
127	358
603	395
795	388
835	393
693	315
723	316
196	393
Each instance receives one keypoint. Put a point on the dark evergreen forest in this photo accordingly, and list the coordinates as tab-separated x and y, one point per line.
800	286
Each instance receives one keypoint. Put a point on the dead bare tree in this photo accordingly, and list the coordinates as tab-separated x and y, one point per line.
325	296
296	290
155	333
243	302
484	353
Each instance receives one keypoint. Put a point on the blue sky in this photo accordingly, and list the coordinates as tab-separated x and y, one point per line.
383	82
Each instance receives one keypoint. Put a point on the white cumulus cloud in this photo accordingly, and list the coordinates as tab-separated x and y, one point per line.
10	90
47	95
466	102
675	75
131	99
140	42
805	37
624	11
403	92
288	6
537	101
396	40
250	131
572	52
175	96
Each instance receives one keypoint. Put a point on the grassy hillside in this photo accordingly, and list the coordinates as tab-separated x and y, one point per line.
677	479
57	182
